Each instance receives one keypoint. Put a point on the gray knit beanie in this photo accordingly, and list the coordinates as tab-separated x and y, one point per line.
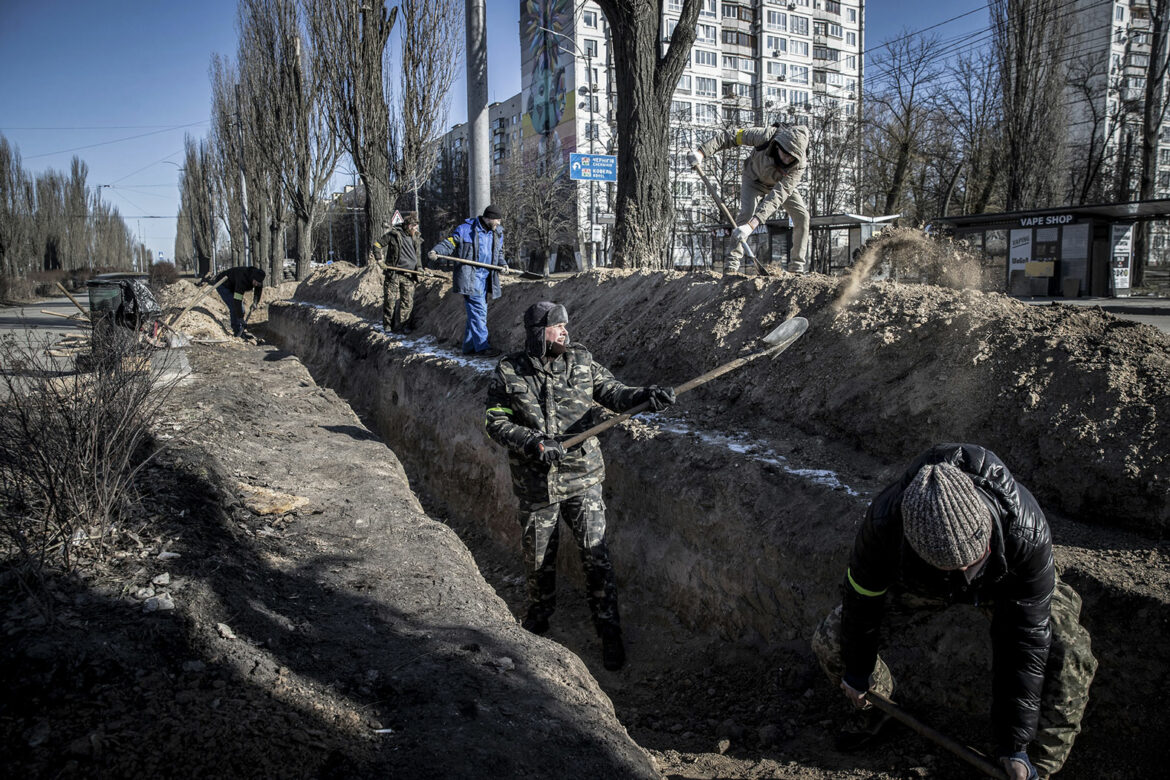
944	519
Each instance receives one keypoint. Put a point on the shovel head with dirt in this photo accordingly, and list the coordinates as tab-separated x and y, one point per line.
777	341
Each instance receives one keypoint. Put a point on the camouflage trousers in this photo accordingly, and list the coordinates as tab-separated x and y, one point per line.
585	516
397	293
1067	676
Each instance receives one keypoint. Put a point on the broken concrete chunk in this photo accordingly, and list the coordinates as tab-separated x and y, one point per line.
225	631
262	501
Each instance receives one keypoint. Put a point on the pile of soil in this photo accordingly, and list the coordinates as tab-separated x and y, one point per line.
209	319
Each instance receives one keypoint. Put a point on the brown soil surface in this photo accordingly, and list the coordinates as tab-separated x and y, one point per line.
296	637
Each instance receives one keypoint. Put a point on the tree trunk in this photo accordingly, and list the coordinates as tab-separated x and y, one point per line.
644	209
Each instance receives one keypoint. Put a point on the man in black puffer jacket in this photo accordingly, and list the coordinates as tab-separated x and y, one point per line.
958	529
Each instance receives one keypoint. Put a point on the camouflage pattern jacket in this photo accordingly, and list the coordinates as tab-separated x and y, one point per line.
529	400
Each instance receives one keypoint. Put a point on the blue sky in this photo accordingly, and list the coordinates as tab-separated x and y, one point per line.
119	82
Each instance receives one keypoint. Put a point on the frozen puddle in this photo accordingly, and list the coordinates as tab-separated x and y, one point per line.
739	442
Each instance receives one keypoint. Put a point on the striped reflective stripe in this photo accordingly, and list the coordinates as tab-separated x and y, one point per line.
861	590
739	137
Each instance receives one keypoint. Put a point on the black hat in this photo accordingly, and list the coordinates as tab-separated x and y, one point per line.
538	317
493	212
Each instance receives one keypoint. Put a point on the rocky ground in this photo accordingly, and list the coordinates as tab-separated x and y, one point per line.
298	600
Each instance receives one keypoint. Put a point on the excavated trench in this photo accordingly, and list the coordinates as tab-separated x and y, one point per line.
732	513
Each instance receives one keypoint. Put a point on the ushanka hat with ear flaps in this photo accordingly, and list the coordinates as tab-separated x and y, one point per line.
943	517
538	317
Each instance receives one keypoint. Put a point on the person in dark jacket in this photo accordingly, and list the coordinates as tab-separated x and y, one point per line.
398	247
480	239
240	280
957	528
538	398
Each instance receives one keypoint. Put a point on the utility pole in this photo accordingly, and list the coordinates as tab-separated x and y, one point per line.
479	183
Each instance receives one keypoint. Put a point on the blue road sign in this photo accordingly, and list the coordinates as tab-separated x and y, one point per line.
593	167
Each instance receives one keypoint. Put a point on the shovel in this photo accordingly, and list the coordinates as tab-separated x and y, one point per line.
500	268
727	215
977	760
778	340
421	274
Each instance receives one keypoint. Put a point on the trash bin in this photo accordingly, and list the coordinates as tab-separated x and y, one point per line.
105	299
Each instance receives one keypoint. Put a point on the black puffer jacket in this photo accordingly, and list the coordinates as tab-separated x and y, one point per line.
1016	582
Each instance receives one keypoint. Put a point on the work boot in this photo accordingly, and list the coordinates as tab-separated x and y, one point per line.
864	728
613	651
535	622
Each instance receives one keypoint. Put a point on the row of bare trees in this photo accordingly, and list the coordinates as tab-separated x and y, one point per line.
56	221
315	83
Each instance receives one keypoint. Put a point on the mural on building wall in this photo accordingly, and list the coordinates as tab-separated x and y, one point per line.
546	72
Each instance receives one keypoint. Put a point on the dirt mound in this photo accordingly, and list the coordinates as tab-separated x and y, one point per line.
209	319
1073	399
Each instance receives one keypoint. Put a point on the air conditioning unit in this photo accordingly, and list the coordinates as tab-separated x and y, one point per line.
782	78
777	53
792	6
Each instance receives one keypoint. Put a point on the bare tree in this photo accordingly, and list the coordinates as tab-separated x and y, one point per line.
348	44
1095	134
196	205
1029	42
537	197
17	206
227	155
648	76
1153	121
430	32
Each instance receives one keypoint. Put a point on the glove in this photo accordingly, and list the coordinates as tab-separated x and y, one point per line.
742	232
545	450
432	255
1018	767
695	157
855	694
658	397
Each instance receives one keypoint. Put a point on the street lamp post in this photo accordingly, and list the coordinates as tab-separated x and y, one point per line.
591	131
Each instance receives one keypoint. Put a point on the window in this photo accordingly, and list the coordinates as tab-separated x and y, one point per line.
834	78
1119	13
777	70
710	9
836	31
707	33
668	30
680	110
775	45
730	62
851	38
825	53
1163	180
590	47
776	95
852	14
798	97
737	90
798	25
798	74
706	58
747	65
737	38
776	21
684	84
1164	156
798	48
818	77
674	6
833	7
705	87
851	62
705	112
820	28
589	19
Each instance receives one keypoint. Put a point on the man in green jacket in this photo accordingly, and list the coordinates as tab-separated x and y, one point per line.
399	247
538	398
771	175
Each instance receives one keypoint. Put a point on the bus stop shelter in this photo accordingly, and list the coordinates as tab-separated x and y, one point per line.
1069	251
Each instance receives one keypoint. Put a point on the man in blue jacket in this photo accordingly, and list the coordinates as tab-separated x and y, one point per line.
480	239
957	528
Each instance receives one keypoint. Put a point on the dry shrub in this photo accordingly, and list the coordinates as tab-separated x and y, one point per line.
163	274
71	445
16	289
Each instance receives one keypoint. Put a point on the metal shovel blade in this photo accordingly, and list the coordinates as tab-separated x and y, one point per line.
784	335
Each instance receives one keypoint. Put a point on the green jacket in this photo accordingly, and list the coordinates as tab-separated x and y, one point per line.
530	400
761	165
393	250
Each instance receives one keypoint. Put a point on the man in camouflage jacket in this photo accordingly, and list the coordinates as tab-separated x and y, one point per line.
538	398
770	178
398	247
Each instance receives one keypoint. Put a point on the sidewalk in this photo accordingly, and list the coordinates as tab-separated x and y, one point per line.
1150	310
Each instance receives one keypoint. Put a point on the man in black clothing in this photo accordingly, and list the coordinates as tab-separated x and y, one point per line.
957	528
240	280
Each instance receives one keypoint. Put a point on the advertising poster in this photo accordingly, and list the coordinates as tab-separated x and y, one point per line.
1119	258
1021	250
